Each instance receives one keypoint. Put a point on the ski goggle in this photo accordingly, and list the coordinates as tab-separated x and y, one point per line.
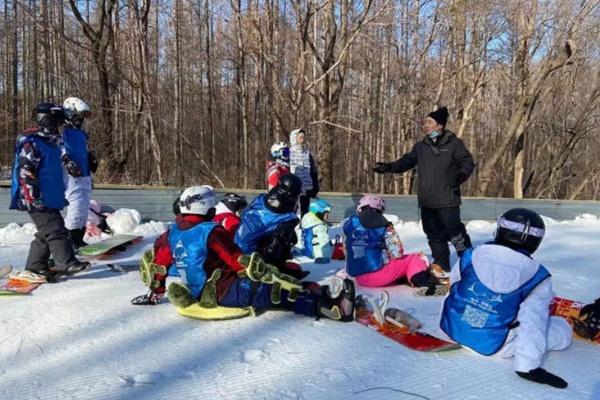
524	229
283	153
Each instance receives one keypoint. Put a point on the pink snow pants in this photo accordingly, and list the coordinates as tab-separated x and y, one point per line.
407	265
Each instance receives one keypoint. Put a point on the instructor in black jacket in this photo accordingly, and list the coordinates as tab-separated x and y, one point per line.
443	163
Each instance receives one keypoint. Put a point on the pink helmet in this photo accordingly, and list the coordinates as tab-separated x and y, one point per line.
371	200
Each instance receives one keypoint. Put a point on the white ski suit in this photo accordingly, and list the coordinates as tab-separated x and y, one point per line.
504	270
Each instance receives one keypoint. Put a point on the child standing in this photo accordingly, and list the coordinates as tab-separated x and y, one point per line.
279	164
79	165
38	188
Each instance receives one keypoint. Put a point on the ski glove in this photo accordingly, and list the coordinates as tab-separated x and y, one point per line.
71	166
92	162
461	178
381	168
540	375
588	324
150	299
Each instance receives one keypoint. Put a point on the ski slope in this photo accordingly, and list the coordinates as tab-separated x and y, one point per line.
81	339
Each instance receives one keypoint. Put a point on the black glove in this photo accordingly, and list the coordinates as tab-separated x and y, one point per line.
381	168
71	166
540	375
150	299
461	178
92	162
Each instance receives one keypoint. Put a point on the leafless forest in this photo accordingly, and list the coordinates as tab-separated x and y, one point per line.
196	91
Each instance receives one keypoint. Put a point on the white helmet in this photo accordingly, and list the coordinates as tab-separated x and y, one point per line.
280	151
197	200
76	110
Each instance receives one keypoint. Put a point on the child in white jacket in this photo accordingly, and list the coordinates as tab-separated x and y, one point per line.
499	300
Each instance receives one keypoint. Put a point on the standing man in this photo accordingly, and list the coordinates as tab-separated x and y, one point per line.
443	163
79	164
303	165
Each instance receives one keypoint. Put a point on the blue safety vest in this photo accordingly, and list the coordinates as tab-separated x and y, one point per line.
478	317
189	249
49	173
257	222
75	143
364	247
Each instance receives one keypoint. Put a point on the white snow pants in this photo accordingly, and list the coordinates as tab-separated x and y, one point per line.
78	193
528	355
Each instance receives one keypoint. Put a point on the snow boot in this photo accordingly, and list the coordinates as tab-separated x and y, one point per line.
37	276
75	268
427	284
337	302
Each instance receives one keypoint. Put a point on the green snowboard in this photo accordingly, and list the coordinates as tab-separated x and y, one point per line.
105	246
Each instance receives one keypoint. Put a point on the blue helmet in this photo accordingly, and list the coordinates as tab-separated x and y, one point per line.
319	206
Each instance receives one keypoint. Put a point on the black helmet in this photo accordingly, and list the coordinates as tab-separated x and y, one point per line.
289	186
234	202
520	228
48	116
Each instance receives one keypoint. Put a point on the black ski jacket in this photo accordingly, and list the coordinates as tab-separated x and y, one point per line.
442	166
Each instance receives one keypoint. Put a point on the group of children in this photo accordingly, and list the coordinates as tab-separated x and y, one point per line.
497	304
52	170
497	301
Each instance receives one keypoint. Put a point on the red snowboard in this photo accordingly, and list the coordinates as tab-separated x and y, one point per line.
17	287
418	341
569	310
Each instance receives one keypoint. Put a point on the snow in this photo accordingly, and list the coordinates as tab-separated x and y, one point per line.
81	338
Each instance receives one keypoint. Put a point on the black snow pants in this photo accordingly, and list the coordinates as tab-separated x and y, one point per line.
52	238
443	225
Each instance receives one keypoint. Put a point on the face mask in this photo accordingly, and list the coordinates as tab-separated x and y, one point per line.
434	134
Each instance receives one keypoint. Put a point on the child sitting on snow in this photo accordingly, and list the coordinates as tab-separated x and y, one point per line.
500	296
315	232
375	253
228	212
202	251
269	225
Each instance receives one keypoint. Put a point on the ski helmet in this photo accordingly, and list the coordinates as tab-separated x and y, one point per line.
289	186
49	117
373	201
320	206
520	228
280	151
76	110
197	200
234	202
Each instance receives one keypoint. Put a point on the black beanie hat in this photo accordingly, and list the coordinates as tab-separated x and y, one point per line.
440	115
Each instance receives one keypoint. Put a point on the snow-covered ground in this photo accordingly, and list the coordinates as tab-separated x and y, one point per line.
81	339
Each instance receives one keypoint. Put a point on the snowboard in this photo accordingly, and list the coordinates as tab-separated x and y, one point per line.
108	246
17	287
400	327
569	310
